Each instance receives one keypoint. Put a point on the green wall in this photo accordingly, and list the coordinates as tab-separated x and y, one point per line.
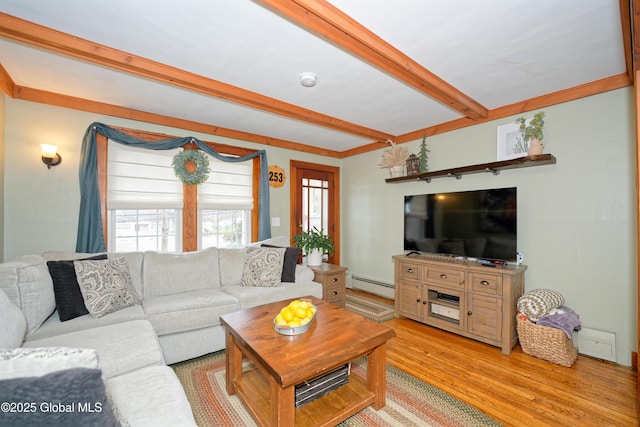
576	223
576	219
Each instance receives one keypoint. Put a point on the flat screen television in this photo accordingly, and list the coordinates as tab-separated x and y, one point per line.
478	224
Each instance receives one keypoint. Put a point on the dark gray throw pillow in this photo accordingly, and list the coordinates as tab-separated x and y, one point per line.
70	397
291	256
67	292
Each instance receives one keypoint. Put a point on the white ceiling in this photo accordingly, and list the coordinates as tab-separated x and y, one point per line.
497	52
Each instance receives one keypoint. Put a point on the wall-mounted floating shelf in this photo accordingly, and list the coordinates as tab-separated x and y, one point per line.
493	167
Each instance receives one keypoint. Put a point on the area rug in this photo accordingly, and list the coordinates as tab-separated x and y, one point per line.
410	402
368	307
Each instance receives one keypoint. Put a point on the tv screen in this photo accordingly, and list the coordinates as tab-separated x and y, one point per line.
474	224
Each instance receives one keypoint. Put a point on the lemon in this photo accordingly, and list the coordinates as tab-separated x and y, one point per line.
287	314
305	321
280	320
294	322
301	313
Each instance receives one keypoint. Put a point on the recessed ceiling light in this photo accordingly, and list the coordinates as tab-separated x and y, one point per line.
308	79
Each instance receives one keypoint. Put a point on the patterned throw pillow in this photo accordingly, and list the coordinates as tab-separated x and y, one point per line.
106	285
263	267
537	303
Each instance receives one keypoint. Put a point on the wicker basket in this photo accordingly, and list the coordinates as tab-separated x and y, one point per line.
546	343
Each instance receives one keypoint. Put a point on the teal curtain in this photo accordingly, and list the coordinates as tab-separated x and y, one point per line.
90	234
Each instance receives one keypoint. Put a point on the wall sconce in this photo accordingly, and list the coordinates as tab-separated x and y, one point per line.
50	157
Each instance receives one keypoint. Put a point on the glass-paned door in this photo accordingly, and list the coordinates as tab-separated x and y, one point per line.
314	201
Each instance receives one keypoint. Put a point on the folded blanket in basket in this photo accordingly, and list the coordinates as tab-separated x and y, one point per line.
562	318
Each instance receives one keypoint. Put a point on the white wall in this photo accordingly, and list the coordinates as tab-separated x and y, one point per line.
576	223
576	219
41	205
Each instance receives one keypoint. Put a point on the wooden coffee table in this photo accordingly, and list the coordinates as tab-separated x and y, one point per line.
335	337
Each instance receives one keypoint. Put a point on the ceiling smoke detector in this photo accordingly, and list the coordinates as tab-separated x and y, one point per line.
308	79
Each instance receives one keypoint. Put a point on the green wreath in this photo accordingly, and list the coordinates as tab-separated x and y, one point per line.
201	172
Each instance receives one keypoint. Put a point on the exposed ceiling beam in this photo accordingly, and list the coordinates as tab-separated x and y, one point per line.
329	22
46	38
80	104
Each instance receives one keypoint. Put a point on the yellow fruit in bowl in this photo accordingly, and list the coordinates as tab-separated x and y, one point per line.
280	320
295	322
287	314
301	313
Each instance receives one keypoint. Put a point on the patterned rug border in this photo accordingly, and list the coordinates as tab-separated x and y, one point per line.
370	308
410	401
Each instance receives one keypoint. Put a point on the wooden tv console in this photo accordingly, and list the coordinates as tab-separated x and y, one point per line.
463	297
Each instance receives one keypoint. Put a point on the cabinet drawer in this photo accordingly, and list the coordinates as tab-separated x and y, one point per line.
490	284
409	270
444	276
334	279
334	292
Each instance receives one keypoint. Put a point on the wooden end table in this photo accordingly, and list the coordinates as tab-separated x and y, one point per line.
333	280
335	337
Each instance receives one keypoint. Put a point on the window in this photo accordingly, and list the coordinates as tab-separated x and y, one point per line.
145	230
225	202
145	202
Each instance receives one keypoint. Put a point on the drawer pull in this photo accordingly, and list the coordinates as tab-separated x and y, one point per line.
418	300
335	293
410	270
469	313
484	283
335	279
443	276
424	302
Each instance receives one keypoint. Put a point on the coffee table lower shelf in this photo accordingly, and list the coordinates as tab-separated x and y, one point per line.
328	410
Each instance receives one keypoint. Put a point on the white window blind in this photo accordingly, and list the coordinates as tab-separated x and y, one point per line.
141	178
229	186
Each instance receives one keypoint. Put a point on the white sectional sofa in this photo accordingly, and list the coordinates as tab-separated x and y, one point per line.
172	315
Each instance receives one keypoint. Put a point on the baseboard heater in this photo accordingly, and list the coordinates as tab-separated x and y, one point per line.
355	279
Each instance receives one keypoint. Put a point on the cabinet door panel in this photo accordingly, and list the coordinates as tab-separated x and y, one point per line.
484	316
410	303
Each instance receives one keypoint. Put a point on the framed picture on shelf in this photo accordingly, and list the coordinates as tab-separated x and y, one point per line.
511	144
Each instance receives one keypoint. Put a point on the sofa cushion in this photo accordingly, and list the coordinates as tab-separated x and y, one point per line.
151	397
106	285
73	397
69	301
172	273
121	348
231	265
53	326
33	362
27	283
13	325
254	296
263	266
188	310
291	256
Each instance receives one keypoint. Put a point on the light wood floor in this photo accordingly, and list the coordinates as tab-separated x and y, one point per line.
516	390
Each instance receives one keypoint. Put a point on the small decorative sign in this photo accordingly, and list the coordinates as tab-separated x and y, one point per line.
277	176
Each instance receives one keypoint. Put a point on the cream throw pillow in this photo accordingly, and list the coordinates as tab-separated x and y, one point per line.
263	267
106	285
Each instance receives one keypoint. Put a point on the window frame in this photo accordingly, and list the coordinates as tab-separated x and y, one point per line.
190	215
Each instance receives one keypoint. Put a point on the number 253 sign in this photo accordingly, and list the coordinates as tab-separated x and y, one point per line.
277	176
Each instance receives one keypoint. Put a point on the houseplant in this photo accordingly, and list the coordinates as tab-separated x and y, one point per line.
394	159
533	133
314	243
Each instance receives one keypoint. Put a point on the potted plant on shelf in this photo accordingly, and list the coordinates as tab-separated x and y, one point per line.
314	243
394	159
533	133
